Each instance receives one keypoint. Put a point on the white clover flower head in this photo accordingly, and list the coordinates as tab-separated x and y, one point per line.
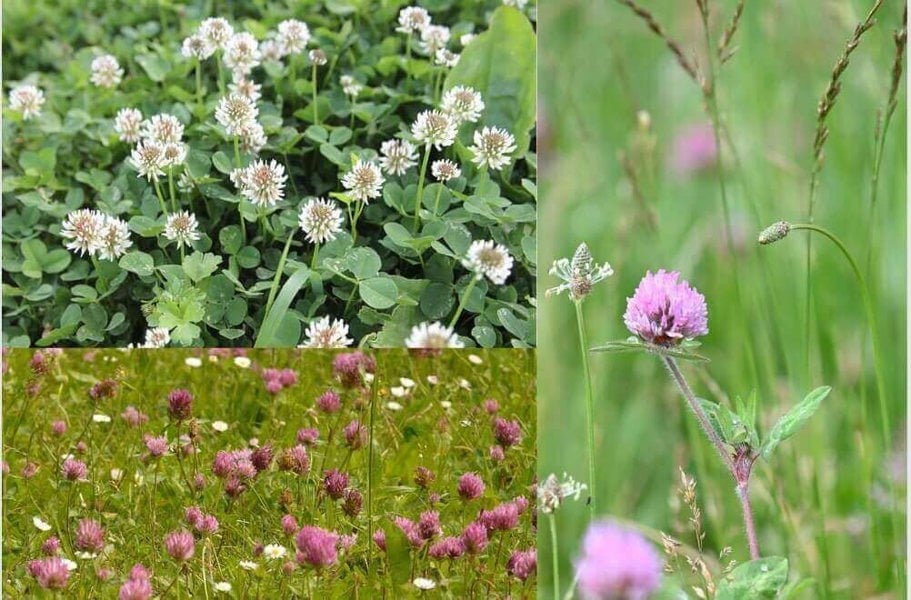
263	183
148	159
223	586
412	19
83	229
274	551
106	71
252	138
462	103
293	35
182	228
246	88
157	337
114	238
520	4
272	49
248	565
552	492
27	100
436	128
242	53
321	220
488	259
434	37
40	524
216	31
128	124
364	181
318	57
398	156
446	58
433	335
162	128
197	46
422	583
467	39
350	85
234	112
492	147
579	275
327	333
185	183
175	154
443	170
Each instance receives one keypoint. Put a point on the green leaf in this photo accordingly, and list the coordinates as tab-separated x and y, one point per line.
378	292
438	300
618	346
155	66
279	319
762	578
231	239
138	262
61	333
198	266
500	64
222	163
794	419
363	263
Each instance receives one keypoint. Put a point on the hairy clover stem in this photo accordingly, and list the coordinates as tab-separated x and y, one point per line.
589	409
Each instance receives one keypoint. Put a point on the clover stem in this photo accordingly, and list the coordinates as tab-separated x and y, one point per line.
236	151
199	82
171	188
278	273
465	295
743	493
436	202
408	57
315	105
589	409
164	206
420	192
554	555
315	256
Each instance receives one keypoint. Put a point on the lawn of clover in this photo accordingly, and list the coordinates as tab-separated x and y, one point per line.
249	174
268	474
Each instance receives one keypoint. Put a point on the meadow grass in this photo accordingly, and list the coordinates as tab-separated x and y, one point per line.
429	412
831	499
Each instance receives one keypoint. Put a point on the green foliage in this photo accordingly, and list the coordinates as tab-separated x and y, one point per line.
763	578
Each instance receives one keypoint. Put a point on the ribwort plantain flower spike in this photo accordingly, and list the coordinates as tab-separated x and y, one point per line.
579	275
773	233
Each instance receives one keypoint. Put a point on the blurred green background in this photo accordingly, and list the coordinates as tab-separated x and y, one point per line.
823	500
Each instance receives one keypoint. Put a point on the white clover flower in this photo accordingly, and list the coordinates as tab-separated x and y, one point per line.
398	156
157	337
162	128
467	39
406	382
182	228
243	362
422	583
252	138
27	100
274	551
412	18
462	103
246	88
321	220
433	335
326	333
272	50
248	565
185	183
83	229
242	53
127	124
263	183
578	275
492	147
293	35
364	181
222	586
193	361
40	524
520	4
106	71
69	564
446	58
219	426
318	57
435	127
116	475
394	406
552	492
197	46
114	238
434	37
216	31
350	85
148	159
100	418
175	153
234	112
444	170
487	258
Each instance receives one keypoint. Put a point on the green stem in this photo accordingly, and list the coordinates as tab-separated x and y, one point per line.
436	202
164	206
420	192
555	557
408	58
199	82
589	410
315	105
278	273
315	255
463	301
171	189
236	152
373	399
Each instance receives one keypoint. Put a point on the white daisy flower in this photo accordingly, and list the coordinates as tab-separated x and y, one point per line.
197	46
293	35
487	258
248	565
216	31
222	586
434	37
163	128
433	335
127	124
435	127
83	229
234	112
242	53
412	19
182	228
398	156
321	220
326	333
40	524
364	181
148	159
350	85
274	551
106	71
27	100
462	103
492	147
444	170
263	183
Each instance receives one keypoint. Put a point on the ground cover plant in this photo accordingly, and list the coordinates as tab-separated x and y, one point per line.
338	173
722	392
268	474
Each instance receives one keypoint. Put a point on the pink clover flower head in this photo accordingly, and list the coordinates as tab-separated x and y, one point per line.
317	547
665	310
617	562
